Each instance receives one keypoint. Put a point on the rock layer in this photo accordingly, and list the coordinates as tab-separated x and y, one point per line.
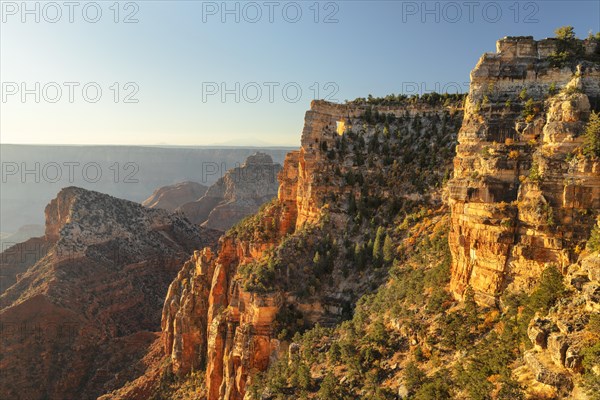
213	318
520	201
76	313
239	193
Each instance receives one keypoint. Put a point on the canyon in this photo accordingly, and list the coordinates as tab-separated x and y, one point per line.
222	313
435	246
81	304
522	199
239	193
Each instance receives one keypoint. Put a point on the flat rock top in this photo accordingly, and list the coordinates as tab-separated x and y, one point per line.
258	158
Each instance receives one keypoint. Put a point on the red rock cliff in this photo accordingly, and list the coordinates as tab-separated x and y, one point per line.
520	200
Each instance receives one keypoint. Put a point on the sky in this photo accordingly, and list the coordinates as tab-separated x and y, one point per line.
237	73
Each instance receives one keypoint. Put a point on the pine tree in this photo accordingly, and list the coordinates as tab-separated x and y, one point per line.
352	205
471	307
317	259
388	249
591	147
377	246
565	33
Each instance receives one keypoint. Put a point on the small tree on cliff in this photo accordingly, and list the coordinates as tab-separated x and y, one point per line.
471	312
591	147
377	246
594	243
388	250
568	48
565	33
549	290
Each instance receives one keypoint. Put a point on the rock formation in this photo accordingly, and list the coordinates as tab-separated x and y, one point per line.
520	200
359	209
239	193
78	306
173	196
561	336
221	310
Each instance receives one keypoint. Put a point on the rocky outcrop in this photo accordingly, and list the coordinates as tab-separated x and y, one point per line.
520	198
76	314
239	193
561	336
220	312
209	320
174	196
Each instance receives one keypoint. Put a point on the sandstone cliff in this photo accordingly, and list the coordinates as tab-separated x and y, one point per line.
227	310
239	193
174	196
521	198
78	306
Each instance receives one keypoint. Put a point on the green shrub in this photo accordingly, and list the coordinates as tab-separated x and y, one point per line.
594	324
591	146
549	290
593	243
534	172
414	377
591	358
569	48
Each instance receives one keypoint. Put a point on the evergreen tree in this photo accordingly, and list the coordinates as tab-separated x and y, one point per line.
591	147
471	307
378	245
351	204
549	290
565	33
388	249
317	259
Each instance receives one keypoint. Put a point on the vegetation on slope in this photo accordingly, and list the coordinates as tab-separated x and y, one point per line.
369	171
410	337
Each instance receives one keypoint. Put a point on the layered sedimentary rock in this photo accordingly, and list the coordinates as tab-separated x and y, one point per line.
239	193
521	198
213	317
210	322
77	304
174	196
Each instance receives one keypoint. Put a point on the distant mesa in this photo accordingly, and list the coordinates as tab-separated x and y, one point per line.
24	233
239	193
173	196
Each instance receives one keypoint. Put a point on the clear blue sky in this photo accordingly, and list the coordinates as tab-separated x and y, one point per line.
178	49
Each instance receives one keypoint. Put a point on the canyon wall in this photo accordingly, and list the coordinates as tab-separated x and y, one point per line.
522	197
78	306
220	317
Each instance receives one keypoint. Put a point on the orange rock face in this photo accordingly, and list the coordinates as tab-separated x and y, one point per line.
520	201
235	323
